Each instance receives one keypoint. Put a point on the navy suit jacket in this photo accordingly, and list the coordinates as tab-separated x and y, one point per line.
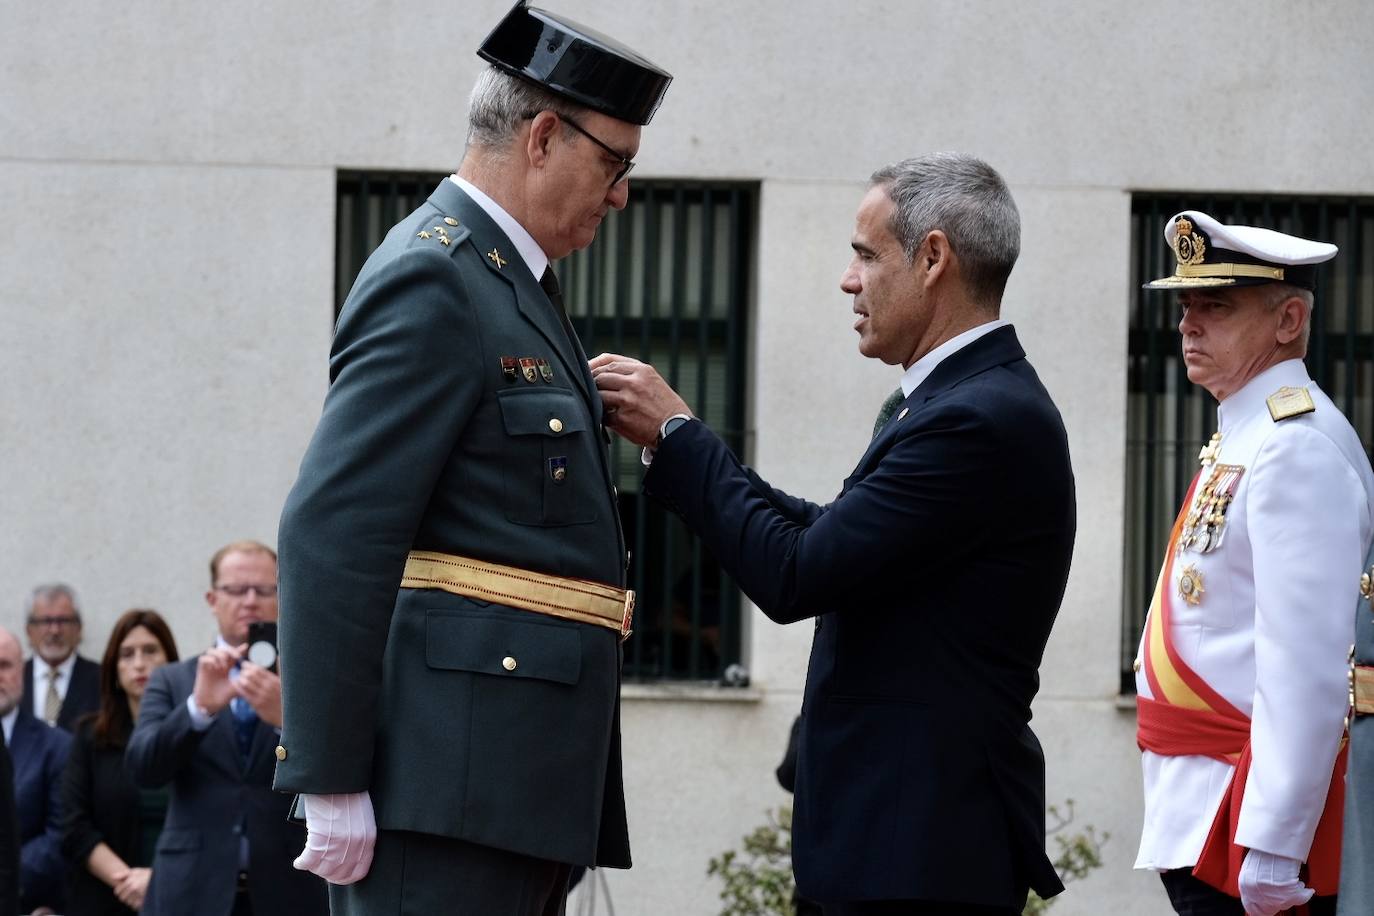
39	753
83	692
215	798
934	578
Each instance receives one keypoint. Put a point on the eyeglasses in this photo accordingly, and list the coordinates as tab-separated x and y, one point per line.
54	622
626	164
239	591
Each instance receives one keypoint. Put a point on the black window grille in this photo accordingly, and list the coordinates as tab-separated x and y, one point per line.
667	280
1168	419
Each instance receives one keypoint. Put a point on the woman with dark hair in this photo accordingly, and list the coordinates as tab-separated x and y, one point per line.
110	826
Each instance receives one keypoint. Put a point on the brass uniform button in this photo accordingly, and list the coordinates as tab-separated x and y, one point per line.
556	425
281	752
508	663
1136	666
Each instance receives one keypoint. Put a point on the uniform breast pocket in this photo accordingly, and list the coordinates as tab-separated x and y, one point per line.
551	477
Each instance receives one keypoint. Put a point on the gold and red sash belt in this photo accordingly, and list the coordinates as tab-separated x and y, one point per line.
1362	689
541	593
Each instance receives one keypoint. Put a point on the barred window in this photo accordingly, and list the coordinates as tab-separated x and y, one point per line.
1169	419
668	281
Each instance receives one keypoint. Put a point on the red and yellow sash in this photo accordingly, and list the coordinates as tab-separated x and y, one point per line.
1186	716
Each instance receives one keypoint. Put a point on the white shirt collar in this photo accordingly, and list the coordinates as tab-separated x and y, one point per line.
1250	399
920	370
8	722
524	243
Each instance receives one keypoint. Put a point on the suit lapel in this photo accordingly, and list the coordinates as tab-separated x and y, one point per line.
995	348
499	255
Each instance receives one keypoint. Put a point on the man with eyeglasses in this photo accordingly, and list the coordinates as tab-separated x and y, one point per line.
60	685
452	558
206	728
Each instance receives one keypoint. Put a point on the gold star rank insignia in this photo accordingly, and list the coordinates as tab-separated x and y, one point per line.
496	258
422	234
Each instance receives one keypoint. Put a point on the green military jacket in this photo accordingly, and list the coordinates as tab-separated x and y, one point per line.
429	442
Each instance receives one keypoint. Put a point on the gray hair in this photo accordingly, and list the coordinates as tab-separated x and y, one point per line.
1277	293
46	593
965	198
500	102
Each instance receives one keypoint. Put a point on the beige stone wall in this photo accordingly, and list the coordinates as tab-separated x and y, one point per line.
166	285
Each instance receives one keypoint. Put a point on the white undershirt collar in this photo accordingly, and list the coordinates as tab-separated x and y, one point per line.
920	370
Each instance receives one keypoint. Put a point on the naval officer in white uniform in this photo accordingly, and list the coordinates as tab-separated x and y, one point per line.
1251	617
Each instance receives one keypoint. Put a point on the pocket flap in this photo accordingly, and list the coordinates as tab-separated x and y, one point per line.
541	411
503	646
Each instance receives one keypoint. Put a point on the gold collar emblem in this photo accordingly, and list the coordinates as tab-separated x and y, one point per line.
497	259
1189	246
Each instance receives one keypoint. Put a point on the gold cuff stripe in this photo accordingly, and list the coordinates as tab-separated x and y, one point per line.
1229	270
557	596
1363	688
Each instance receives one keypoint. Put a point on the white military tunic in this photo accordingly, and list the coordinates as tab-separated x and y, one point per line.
1271	627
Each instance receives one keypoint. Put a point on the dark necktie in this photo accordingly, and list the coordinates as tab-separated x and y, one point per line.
549	283
245	723
894	400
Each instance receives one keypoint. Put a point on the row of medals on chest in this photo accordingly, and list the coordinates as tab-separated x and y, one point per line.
1204	527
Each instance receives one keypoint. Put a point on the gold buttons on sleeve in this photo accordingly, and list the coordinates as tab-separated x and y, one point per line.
556	425
508	663
281	752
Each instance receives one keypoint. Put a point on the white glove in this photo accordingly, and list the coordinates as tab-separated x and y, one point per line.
1269	884
340	832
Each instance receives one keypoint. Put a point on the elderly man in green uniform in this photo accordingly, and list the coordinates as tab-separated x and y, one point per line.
1357	842
452	564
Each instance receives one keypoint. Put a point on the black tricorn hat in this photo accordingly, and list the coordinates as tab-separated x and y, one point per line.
576	62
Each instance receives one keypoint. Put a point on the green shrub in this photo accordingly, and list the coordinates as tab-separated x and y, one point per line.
758	878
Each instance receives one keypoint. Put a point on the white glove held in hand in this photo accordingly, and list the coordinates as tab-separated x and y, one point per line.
1269	884
340	832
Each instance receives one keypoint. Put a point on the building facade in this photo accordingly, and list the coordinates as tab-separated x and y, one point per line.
170	260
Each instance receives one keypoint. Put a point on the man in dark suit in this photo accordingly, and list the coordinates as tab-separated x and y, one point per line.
60	685
9	837
934	577
207	727
38	752
452	559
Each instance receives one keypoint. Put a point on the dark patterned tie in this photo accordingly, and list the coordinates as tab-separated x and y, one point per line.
245	723
894	400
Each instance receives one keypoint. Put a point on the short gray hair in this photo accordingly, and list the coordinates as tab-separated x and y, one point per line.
46	593
1277	293
500	102
965	198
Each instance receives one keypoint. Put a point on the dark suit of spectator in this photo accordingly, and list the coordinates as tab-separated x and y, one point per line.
100	803
83	692
9	837
216	797
39	753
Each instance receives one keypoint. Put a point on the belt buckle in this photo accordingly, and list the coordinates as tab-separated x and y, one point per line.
628	616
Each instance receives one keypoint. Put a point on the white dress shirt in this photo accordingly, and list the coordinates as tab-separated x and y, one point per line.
920	370
1272	628
8	723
